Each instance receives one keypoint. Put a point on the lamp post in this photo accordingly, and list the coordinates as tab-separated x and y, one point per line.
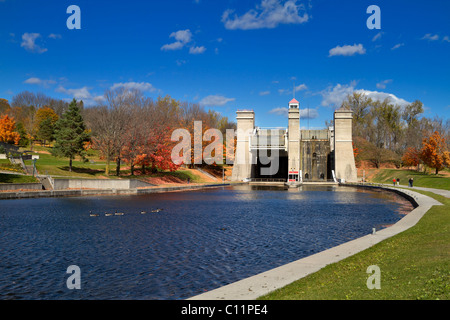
34	166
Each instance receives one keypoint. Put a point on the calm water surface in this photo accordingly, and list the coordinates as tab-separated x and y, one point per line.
200	241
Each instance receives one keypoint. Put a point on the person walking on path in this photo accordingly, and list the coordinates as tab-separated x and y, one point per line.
411	180
394	181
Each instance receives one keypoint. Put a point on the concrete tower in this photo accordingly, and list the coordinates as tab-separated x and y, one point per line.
344	159
243	157
294	141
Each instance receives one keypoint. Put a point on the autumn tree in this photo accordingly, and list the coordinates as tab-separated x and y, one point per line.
8	132
110	123
135	135
411	157
4	106
361	106
70	134
434	153
45	122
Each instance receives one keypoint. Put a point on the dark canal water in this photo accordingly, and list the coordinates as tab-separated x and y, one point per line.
200	241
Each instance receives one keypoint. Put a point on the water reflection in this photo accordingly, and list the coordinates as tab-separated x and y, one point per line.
199	241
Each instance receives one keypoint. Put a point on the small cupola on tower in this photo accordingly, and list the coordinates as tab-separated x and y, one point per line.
293	104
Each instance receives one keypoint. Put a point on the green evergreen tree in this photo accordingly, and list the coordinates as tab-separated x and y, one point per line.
70	134
46	130
24	141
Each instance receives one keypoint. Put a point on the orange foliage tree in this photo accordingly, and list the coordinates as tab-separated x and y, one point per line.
411	157
7	130
434	153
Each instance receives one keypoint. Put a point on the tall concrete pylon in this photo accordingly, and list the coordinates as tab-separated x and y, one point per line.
294	139
344	159
243	158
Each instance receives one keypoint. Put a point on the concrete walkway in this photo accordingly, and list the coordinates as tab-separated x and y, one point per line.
263	283
445	193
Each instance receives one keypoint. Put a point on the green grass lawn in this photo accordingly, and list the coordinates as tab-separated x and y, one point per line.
95	168
179	174
439	181
414	264
48	164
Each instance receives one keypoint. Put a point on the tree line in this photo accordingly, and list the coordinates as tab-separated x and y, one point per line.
385	132
127	127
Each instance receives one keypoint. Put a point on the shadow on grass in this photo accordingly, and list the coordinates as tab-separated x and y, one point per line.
15	178
89	171
7	178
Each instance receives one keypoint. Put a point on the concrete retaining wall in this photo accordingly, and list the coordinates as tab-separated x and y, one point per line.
18	186
61	184
112	192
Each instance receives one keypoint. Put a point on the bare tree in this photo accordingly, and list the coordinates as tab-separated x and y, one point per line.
109	123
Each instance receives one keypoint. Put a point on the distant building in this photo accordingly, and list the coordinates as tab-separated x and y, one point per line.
292	154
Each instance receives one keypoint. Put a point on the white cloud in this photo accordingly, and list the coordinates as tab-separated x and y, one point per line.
172	46
142	86
446	38
99	99
382	84
29	42
215	100
269	14
398	45
377	36
54	36
306	113
347	50
333	96
280	111
381	96
33	81
197	50
182	37
264	93
300	87
79	94
430	37
82	94
37	81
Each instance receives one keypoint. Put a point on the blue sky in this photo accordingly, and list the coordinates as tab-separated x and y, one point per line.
229	55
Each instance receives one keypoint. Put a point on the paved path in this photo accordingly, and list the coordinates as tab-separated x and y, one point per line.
445	193
12	172
263	283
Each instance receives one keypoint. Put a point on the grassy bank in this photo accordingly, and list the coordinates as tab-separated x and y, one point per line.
440	181
16	178
414	264
95	168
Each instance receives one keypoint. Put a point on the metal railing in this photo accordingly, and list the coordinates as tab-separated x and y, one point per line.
266	180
